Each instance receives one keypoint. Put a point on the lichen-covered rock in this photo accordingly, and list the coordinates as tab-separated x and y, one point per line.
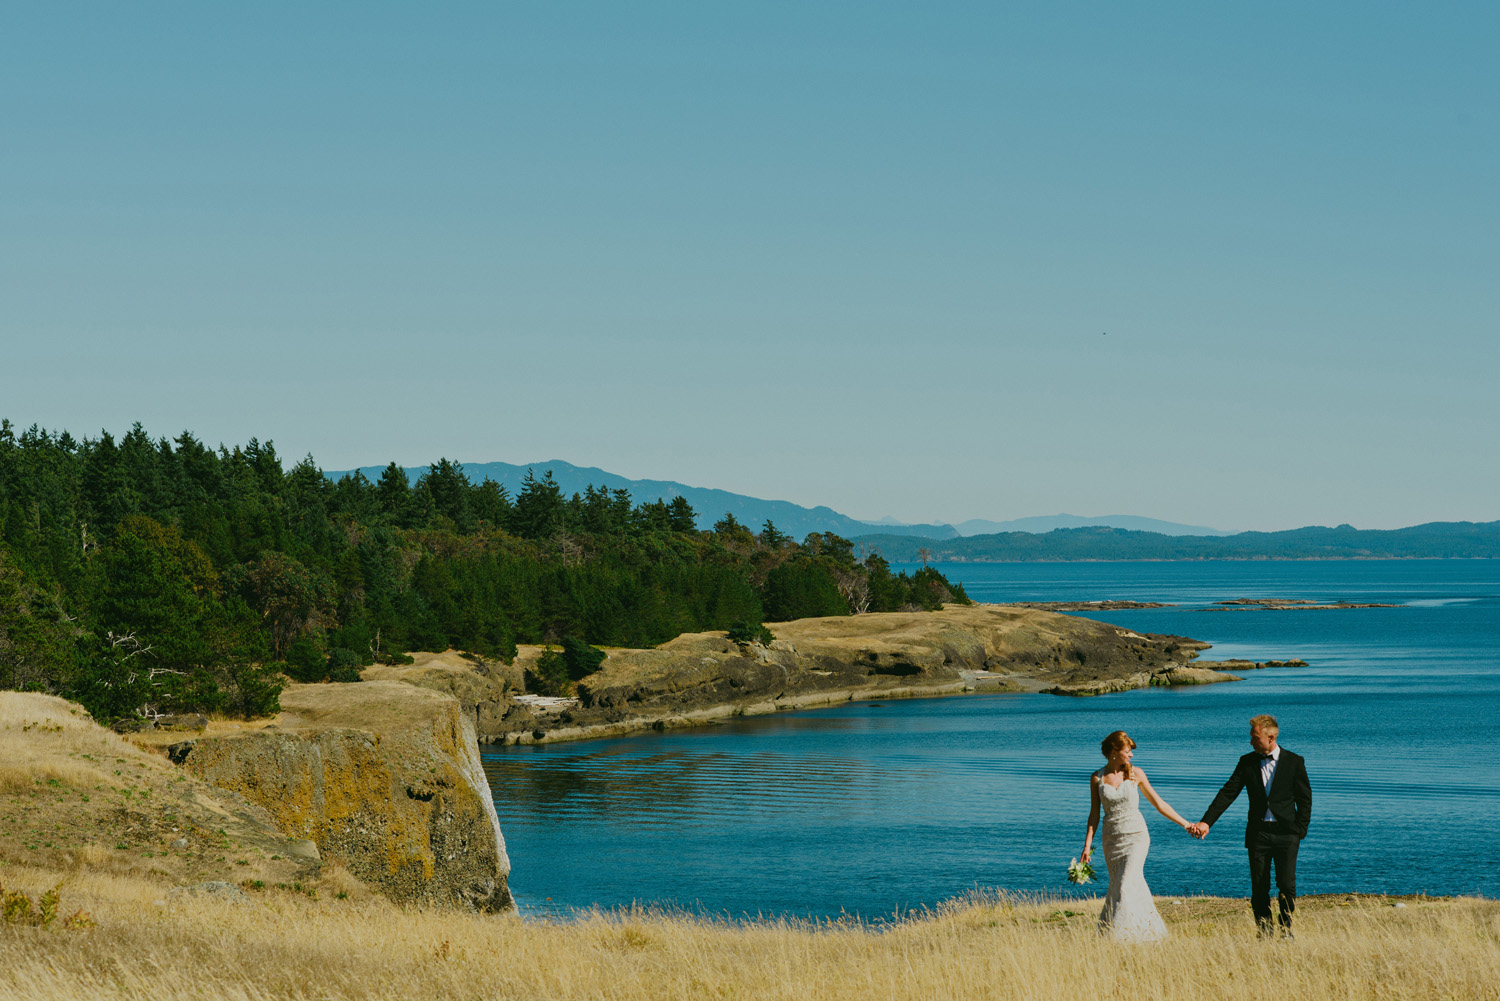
385	778
1192	676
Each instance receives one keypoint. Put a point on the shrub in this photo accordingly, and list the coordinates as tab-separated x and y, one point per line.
750	632
17	908
343	665
580	659
549	676
251	690
555	670
305	662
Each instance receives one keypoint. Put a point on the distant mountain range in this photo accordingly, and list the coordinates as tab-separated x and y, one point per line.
1435	540
794	519
1057	537
711	505
979	526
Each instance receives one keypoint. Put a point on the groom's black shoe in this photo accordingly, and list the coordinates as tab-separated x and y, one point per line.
1265	929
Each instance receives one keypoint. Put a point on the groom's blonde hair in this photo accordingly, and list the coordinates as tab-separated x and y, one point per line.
1264	722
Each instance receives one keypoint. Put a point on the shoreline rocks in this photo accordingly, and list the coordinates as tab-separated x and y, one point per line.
1090	606
1293	605
1251	665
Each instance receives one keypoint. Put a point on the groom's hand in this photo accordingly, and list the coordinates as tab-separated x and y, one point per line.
1198	830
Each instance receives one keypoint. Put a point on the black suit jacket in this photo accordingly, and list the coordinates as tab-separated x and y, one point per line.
1290	797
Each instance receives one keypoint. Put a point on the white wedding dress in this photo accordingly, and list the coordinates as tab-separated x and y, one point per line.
1129	913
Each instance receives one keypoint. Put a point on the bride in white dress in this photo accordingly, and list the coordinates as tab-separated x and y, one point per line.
1129	913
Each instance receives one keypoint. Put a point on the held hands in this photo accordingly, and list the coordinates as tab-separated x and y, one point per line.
1198	830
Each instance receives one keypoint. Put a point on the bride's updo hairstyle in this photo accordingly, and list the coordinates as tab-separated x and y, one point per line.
1117	741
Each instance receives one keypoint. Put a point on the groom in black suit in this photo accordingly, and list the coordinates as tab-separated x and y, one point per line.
1280	807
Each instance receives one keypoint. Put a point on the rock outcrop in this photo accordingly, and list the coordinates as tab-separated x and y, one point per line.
384	777
485	688
1175	675
699	677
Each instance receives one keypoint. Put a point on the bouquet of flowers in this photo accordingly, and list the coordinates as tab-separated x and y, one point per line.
1080	872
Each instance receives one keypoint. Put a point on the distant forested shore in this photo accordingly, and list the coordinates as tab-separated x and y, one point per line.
1436	540
143	575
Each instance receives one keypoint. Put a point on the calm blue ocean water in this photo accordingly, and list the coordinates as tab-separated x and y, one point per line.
874	808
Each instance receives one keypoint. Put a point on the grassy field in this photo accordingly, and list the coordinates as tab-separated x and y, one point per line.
283	944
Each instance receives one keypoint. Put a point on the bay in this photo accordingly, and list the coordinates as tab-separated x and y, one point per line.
878	808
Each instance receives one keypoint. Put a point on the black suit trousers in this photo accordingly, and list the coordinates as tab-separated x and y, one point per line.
1272	846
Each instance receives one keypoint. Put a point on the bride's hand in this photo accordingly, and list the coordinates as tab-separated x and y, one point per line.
1087	852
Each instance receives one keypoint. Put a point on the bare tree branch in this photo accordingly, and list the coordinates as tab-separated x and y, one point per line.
127	640
854	588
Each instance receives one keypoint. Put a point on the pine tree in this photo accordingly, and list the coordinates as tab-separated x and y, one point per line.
450	490
772	537
539	507
394	493
681	515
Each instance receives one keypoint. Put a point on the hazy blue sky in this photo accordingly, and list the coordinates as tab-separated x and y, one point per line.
861	254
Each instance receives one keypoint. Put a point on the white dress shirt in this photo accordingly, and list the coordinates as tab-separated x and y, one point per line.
1267	774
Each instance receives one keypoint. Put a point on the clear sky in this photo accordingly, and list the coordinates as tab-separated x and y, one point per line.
1232	265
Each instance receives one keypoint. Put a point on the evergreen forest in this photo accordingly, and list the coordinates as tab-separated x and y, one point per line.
144	576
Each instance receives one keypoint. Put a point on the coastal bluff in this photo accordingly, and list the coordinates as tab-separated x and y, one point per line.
383	777
701	677
77	796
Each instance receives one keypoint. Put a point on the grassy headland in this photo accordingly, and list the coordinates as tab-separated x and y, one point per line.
702	677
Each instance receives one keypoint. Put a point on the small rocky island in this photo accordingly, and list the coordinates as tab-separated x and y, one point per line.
1294	605
1103	605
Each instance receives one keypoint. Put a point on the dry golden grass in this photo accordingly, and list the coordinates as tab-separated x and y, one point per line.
74	795
287	946
40	740
48	746
17	778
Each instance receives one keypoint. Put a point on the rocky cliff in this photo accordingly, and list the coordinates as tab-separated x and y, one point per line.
384	777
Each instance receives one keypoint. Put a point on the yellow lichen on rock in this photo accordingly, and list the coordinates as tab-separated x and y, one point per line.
384	777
